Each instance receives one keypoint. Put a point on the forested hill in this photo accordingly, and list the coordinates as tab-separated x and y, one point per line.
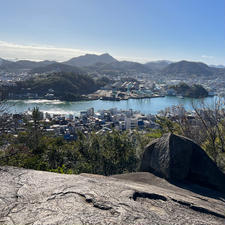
90	59
65	86
184	68
195	91
56	67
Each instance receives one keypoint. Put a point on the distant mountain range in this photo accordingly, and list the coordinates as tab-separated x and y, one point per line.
106	64
218	66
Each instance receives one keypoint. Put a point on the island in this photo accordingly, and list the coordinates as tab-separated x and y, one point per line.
184	90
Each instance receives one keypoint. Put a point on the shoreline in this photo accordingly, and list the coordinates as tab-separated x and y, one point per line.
146	106
87	99
104	99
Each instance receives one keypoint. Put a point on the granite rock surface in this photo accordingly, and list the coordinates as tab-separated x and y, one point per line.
178	158
44	198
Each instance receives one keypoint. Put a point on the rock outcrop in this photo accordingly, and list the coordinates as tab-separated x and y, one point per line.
44	198
178	158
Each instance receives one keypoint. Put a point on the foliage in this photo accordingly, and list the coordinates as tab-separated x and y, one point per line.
206	127
195	91
112	152
106	154
65	86
166	125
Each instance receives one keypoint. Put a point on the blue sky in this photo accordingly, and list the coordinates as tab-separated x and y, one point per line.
141	30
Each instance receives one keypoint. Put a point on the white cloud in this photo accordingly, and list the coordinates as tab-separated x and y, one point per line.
37	52
207	56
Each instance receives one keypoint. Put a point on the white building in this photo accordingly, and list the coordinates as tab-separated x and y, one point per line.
131	123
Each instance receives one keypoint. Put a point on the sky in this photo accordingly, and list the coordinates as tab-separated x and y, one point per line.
137	30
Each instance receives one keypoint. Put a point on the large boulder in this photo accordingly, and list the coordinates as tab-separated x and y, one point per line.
178	158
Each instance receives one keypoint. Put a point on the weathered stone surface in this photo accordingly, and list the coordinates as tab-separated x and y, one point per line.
38	198
178	158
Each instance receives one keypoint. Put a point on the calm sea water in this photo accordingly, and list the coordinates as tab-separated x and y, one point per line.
146	106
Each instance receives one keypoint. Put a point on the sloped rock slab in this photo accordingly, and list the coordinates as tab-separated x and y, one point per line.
43	198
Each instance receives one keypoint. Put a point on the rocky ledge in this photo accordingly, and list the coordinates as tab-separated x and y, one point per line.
37	197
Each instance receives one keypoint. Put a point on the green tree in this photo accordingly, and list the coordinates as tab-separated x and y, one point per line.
36	132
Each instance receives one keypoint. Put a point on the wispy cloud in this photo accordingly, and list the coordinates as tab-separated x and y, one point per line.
207	56
37	52
15	51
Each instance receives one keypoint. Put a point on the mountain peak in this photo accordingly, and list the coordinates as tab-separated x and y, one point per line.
106	54
90	59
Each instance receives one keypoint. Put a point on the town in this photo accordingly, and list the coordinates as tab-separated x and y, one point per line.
120	82
67	126
102	121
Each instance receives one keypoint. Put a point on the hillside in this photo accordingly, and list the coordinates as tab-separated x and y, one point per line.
128	66
186	68
119	67
66	86
56	67
195	91
22	65
157	65
90	59
3	61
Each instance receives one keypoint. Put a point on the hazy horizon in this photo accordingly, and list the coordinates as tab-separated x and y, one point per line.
149	30
117	58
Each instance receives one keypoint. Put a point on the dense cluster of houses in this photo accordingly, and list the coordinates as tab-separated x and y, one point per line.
67	126
100	122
